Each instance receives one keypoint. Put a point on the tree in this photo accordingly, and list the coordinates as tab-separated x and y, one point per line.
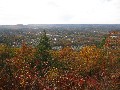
6	52
90	56
43	55
103	42
43	47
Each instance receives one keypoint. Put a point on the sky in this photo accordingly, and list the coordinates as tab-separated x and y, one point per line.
59	12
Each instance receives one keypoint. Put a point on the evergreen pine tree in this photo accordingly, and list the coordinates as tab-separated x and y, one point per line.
42	55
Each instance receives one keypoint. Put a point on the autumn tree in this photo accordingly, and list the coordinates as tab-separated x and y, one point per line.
17	70
6	52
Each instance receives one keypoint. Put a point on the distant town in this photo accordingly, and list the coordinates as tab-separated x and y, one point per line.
75	35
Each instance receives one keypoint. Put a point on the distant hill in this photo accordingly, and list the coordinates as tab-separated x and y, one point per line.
107	27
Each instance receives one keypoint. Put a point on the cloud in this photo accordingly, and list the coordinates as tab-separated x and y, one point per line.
59	11
108	0
66	18
53	4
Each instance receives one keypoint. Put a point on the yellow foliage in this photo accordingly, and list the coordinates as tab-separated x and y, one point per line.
52	74
89	56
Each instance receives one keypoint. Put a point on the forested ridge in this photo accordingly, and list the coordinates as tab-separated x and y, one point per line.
42	68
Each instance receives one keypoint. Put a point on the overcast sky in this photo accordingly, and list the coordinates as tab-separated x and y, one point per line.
59	12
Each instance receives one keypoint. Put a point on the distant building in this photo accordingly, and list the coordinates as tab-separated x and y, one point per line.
113	40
